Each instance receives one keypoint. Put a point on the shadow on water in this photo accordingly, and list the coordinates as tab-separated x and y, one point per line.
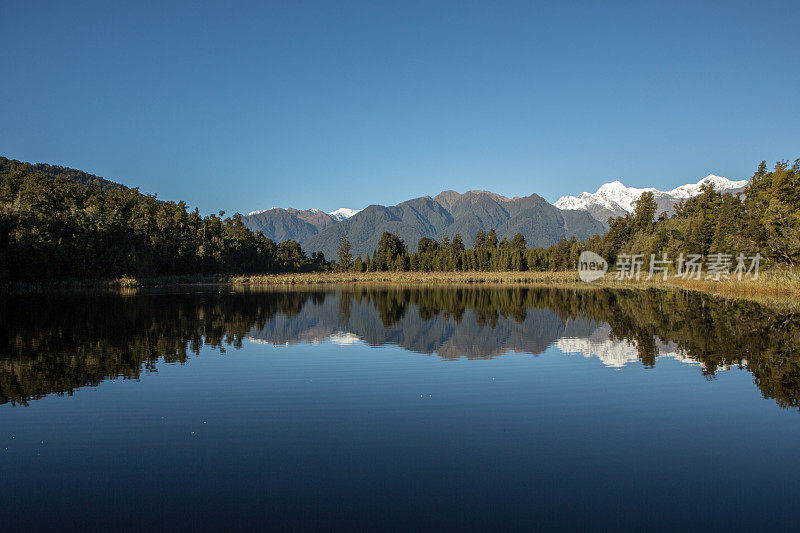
59	343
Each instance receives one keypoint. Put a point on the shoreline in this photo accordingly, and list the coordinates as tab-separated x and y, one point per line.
773	286
779	288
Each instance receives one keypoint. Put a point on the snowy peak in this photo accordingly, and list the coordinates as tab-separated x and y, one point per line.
616	194
343	213
340	214
719	183
259	211
615	199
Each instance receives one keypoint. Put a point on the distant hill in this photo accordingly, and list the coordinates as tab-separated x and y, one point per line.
281	224
448	213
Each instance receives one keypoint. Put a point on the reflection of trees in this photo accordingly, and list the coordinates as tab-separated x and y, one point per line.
717	333
721	333
57	344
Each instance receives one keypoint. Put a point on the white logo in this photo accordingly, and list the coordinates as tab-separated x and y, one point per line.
591	266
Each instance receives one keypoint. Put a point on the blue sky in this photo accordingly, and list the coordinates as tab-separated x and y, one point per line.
240	106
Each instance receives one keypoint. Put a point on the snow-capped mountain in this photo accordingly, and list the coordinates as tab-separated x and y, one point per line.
720	184
259	211
343	213
340	214
615	199
282	223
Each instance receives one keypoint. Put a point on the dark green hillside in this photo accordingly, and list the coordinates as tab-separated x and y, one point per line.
582	224
57	224
8	166
541	227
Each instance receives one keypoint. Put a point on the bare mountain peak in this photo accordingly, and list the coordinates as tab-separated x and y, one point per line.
447	198
493	195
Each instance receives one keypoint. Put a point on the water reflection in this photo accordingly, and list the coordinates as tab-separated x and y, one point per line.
60	343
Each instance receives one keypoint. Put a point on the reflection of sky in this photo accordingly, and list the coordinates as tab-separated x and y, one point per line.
342	426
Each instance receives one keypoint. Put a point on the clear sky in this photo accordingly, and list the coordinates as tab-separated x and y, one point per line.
240	106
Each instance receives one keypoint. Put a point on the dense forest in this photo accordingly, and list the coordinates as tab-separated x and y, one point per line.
58	223
764	218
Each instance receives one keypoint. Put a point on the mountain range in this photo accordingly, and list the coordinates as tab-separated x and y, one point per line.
450	213
615	199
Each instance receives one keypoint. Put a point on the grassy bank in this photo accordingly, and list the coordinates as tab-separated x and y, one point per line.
773	286
775	280
780	286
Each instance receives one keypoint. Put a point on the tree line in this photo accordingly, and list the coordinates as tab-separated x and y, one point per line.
488	253
763	219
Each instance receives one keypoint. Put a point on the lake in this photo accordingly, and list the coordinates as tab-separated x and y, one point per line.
216	407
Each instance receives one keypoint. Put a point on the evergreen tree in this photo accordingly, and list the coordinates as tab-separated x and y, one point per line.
518	242
491	239
344	255
426	244
389	247
480	240
645	211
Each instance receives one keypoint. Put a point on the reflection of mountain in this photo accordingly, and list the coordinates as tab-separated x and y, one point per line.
452	338
600	343
56	344
441	335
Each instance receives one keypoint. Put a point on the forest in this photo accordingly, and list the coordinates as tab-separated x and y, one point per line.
58	223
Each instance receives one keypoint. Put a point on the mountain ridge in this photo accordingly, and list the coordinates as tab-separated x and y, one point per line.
447	213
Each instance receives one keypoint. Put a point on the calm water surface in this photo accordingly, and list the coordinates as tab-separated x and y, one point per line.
397	408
